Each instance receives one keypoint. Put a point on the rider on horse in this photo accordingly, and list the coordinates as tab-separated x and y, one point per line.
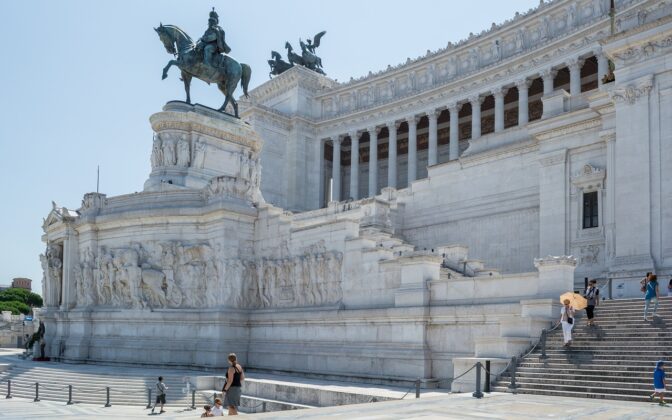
212	40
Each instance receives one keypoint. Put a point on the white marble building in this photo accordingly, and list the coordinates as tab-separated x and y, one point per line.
460	168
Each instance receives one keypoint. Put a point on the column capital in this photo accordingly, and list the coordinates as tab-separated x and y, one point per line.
337	139
353	135
548	73
414	119
574	63
433	113
454	107
392	125
374	130
476	99
499	91
523	83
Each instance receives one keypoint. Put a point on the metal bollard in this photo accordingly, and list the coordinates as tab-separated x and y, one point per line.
417	388
487	377
542	341
149	398
193	399
9	389
37	392
610	289
107	403
263	407
69	395
478	393
214	397
512	385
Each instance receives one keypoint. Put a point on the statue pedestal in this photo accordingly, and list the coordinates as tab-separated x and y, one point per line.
194	144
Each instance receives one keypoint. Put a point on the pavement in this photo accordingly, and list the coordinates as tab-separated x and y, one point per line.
452	406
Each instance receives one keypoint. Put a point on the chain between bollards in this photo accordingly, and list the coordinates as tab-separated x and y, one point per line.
9	389
478	393
69	395
193	399
149	398
512	385
544	333
107	403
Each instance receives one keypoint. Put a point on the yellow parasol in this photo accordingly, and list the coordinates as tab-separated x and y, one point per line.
576	301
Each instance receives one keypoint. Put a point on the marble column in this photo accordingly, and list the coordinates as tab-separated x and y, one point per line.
412	148
354	165
373	161
523	109
476	102
454	145
336	170
602	67
392	155
574	66
432	116
499	94
547	76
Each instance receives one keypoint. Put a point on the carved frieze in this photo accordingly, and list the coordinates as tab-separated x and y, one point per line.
630	94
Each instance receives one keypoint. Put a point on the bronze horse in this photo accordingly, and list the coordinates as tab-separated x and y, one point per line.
226	72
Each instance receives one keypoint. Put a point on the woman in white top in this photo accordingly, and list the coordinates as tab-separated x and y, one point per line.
567	321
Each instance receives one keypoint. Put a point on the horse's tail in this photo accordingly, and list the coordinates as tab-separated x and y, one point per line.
245	79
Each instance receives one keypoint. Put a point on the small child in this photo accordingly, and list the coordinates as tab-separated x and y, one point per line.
207	412
659	382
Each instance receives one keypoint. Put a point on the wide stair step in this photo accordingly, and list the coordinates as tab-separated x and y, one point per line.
613	360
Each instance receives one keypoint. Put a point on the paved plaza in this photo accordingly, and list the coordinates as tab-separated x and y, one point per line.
455	406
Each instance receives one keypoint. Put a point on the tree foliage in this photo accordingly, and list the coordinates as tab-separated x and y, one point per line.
24	296
15	307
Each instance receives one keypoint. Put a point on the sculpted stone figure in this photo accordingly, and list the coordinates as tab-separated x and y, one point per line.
183	153
199	154
157	153
168	152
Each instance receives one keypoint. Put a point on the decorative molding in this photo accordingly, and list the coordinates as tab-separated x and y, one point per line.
570	129
553	158
589	177
632	93
551	261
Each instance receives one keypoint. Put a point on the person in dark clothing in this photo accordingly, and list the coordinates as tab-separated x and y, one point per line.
232	388
592	295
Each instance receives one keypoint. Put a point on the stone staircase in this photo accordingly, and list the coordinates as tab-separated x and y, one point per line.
89	385
614	359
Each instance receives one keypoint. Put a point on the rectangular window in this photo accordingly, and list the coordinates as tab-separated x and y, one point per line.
590	210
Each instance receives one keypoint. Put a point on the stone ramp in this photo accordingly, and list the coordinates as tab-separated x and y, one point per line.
613	360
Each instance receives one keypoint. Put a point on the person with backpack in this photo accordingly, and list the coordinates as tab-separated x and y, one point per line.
160	394
592	295
651	294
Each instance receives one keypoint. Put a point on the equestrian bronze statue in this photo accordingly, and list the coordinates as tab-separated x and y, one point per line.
207	60
308	58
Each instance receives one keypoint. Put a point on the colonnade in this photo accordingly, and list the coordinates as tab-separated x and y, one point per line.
522	85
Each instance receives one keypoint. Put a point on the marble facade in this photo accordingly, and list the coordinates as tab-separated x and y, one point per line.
390	227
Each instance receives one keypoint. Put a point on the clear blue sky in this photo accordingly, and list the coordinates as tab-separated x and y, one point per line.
79	80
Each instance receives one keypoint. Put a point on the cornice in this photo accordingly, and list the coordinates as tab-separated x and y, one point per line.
637	50
532	18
